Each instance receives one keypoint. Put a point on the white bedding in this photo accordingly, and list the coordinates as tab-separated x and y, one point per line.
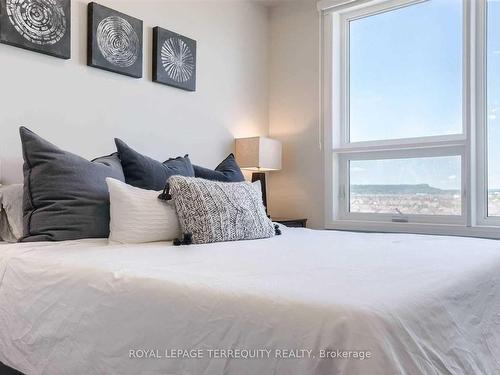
418	304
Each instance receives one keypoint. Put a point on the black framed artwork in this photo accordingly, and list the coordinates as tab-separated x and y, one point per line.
114	41
174	59
37	25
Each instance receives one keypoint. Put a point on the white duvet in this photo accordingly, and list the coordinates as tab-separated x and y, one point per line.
407	304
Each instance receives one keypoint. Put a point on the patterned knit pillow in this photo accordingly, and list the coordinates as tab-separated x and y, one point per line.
213	211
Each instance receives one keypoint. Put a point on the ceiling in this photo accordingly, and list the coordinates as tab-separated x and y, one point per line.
277	2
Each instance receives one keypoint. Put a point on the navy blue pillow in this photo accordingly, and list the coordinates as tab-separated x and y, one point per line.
65	196
146	173
227	171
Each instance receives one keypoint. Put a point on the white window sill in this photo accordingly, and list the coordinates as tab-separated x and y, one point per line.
416	228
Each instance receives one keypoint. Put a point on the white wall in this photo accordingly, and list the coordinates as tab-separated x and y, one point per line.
257	74
82	109
297	190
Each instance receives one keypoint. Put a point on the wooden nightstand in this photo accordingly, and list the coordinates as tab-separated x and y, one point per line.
293	223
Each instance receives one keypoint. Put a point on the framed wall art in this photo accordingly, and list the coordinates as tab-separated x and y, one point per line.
37	25
174	59
114	41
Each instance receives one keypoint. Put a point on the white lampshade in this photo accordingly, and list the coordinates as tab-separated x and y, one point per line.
258	153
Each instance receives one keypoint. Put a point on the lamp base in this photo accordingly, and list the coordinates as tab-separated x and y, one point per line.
261	176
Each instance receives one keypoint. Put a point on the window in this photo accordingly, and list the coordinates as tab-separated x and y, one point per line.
493	106
405	72
418	186
411	90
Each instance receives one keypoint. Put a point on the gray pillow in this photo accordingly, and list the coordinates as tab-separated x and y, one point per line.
5	229
65	196
213	211
11	212
146	173
227	171
112	161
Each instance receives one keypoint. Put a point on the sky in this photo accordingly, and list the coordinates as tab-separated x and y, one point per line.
441	172
406	81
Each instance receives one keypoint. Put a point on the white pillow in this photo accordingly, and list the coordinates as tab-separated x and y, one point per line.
137	215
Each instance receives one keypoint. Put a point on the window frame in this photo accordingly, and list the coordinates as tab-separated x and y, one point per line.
470	144
344	194
358	14
481	118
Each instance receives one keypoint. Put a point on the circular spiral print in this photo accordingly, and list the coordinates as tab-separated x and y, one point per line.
118	41
39	21
177	59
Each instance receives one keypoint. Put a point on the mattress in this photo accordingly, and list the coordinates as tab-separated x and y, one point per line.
306	302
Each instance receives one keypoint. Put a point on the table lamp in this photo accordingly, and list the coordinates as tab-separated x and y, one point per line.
260	155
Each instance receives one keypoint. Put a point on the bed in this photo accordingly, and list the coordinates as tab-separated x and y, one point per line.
306	302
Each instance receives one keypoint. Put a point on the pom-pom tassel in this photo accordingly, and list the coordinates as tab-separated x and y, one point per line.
186	240
165	195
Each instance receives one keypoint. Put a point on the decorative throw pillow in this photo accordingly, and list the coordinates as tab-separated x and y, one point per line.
5	230
227	171
11	211
65	196
113	161
213	211
137	215
143	172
